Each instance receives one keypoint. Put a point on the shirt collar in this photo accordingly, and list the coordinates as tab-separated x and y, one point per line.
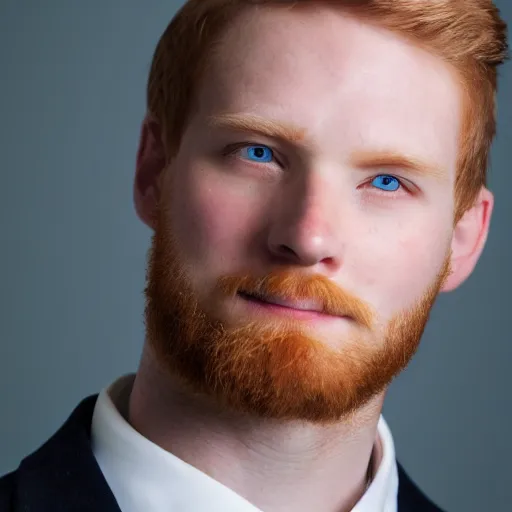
143	476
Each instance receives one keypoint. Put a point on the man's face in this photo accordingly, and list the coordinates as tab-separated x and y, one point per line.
353	212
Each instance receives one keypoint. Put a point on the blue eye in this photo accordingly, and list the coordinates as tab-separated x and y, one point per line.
386	182
260	154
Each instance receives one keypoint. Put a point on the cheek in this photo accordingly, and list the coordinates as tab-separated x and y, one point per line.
213	217
398	264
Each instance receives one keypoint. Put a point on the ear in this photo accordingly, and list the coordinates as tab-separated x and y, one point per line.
151	162
468	241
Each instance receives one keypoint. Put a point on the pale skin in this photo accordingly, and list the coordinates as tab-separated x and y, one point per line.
315	206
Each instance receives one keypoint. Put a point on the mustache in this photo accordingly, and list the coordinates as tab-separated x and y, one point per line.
291	285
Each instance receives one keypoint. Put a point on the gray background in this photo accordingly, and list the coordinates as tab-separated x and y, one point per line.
73	255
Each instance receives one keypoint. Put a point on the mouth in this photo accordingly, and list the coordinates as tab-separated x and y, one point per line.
305	309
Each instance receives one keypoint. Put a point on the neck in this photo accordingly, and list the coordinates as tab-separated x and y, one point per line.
300	466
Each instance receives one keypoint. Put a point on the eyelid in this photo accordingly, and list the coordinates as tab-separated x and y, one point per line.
390	170
405	184
230	149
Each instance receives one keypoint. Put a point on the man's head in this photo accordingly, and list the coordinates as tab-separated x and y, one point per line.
311	152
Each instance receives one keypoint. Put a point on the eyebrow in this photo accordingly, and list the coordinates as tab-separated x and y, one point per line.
391	158
252	123
290	133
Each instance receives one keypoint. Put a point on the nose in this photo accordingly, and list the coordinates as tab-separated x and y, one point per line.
305	227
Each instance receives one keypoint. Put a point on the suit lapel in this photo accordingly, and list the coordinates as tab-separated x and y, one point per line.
63	474
410	497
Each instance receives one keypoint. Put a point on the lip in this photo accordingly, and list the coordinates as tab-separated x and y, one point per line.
267	307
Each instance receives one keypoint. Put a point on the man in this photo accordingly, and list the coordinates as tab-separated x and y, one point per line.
314	174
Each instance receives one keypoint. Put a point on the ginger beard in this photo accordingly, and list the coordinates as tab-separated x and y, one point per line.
274	369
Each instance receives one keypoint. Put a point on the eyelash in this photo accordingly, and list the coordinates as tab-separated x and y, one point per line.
230	151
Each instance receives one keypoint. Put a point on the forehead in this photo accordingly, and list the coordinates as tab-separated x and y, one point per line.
346	82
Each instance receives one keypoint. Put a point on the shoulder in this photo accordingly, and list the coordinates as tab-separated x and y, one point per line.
28	486
7	485
411	497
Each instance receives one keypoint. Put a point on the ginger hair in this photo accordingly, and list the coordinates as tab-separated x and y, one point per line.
468	34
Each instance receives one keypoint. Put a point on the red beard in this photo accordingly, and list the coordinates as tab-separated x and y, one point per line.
274	369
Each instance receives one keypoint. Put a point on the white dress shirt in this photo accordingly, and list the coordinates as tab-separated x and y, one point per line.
146	478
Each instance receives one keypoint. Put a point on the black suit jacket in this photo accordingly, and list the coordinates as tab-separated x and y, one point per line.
63	476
